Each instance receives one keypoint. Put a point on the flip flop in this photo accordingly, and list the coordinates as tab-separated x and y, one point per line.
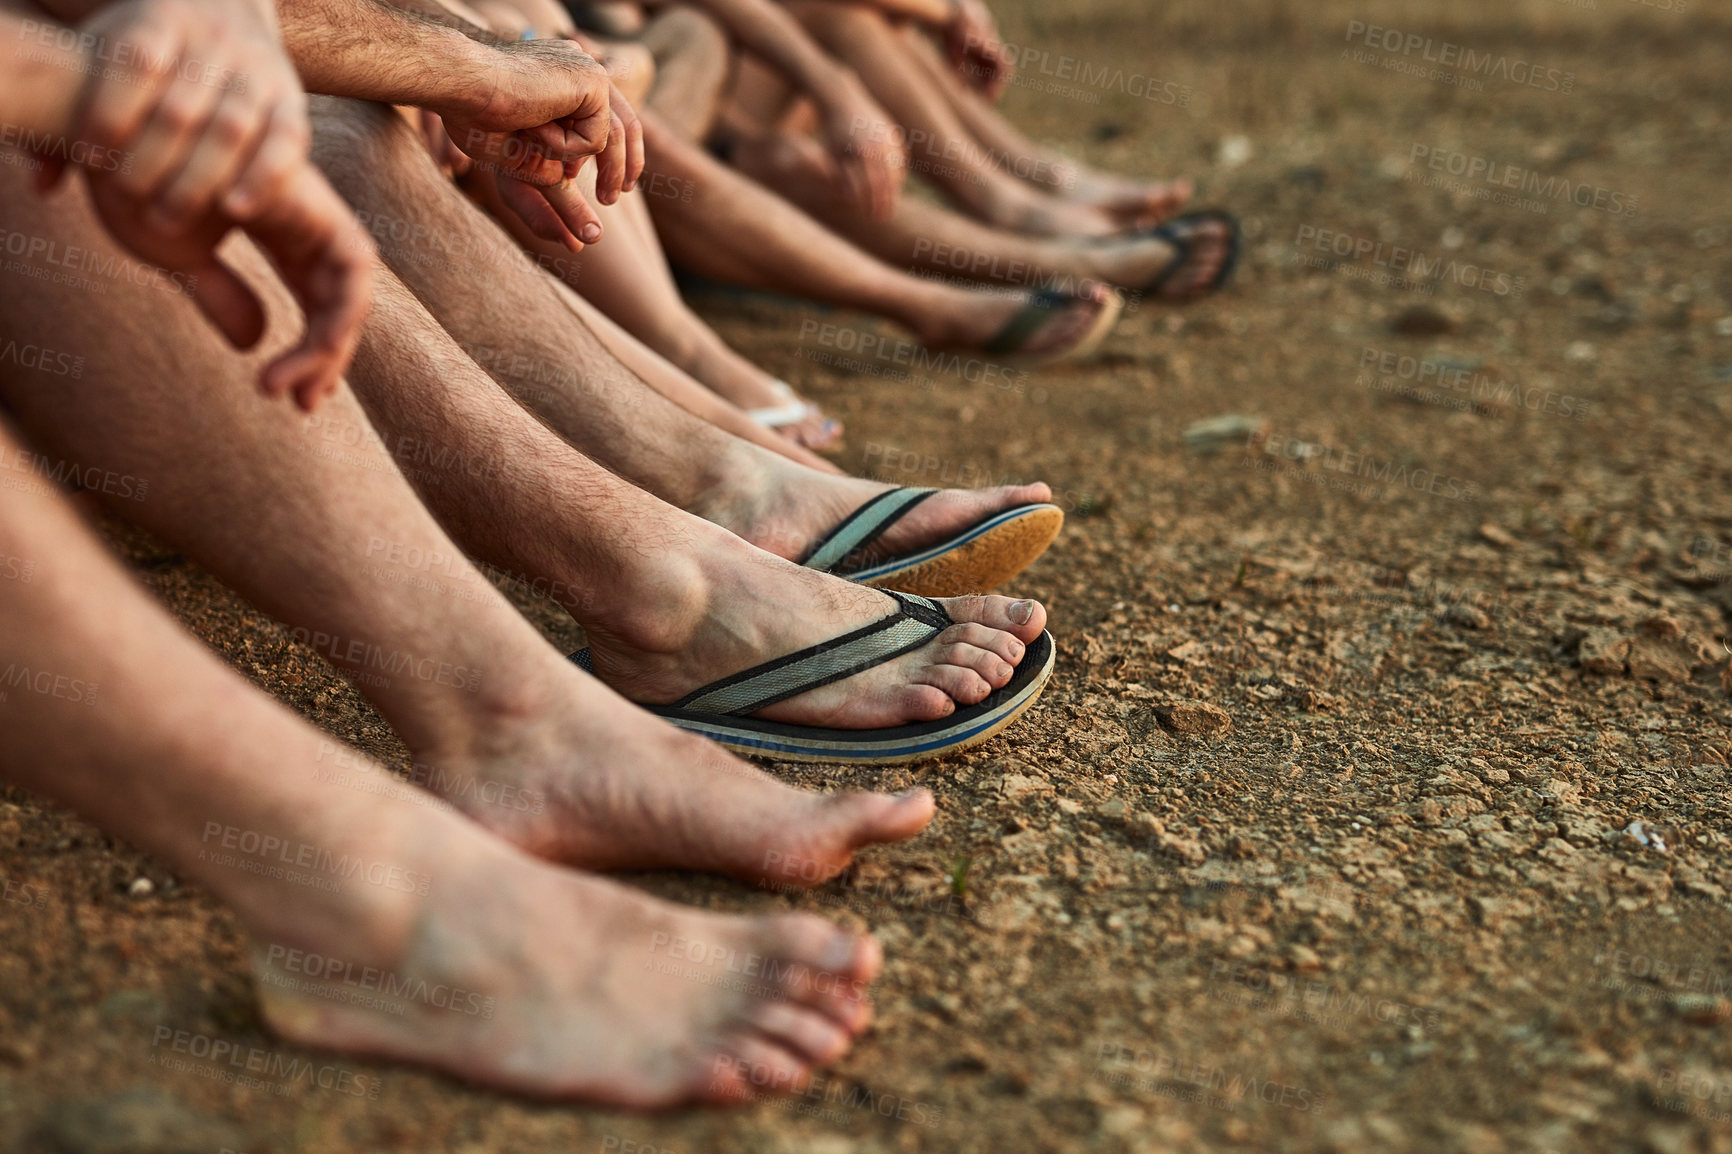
1179	232
981	557
792	410
1009	341
719	710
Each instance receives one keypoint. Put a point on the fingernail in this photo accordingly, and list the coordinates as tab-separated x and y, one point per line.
909	794
1022	612
591	233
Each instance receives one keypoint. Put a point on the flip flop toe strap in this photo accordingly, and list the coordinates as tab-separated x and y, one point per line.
1180	232
1026	322
793	408
862	527
916	621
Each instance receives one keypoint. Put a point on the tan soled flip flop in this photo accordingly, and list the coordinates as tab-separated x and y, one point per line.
722	710
980	558
1010	341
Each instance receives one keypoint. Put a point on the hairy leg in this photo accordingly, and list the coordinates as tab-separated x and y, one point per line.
312	520
669	601
940	147
736	230
627	278
145	732
693	62
937	239
1133	203
526	336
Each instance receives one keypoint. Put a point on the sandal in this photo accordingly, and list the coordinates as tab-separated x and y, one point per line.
980	558
1179	233
719	711
1010	340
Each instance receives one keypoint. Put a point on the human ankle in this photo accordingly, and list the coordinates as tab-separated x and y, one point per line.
798	507
966	317
740	482
384	856
663	604
464	726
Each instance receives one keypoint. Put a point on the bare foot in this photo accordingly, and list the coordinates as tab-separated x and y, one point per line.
560	985
1046	216
752	389
1133	262
1136	205
985	314
787	510
812	428
749	608
588	779
814	431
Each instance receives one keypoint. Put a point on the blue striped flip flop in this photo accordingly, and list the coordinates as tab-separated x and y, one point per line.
981	557
1021	328
1179	233
719	711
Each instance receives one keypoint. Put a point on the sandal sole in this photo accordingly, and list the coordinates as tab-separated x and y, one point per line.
965	729
978	561
1111	310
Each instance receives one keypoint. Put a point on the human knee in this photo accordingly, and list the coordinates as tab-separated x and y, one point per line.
691	29
632	68
358	132
688	41
843	24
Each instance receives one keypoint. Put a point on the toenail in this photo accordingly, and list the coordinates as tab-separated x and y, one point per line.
1022	612
1004	671
839	956
909	794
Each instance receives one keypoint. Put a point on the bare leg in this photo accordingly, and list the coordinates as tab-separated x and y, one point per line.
941	148
178	755
525	336
311	520
628	279
1132	202
674	602
632	362
693	61
932	237
735	230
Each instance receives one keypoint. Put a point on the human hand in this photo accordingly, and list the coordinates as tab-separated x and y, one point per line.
556	210
975	49
446	155
318	248
866	146
542	110
202	95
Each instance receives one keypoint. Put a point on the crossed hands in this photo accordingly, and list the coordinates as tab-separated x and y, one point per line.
208	114
551	106
204	106
976	51
869	154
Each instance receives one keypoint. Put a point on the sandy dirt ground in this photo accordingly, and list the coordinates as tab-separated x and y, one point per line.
1380	798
